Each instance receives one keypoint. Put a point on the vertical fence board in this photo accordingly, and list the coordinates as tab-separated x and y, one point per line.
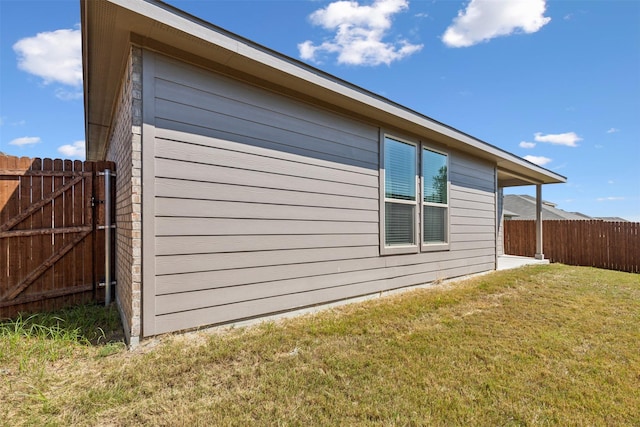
58	222
609	245
49	242
12	207
23	244
4	244
78	220
37	242
67	260
23	254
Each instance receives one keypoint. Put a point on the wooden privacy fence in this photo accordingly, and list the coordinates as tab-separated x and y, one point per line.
610	245
51	248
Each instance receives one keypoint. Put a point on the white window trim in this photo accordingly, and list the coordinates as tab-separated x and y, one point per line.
404	249
437	246
419	203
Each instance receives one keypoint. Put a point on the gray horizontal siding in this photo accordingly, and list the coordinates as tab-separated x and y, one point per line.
172	264
500	222
251	308
472	173
254	97
312	149
472	204
254	113
168	168
183	245
239	226
461	202
189	96
317	271
194	208
263	203
188	189
212	155
230	295
252	145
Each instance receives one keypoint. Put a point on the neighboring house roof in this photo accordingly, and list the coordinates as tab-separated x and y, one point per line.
611	219
509	214
525	208
109	26
582	215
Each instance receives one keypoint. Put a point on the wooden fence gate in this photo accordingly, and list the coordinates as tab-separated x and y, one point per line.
51	243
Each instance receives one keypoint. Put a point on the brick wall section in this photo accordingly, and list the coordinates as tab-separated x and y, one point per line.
125	147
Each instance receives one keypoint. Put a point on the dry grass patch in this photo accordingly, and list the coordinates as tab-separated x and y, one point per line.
534	346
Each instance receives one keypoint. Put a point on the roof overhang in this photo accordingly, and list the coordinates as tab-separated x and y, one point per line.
109	27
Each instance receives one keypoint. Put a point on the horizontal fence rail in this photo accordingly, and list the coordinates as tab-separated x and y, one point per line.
609	245
51	255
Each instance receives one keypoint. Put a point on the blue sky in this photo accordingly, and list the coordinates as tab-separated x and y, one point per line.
557	82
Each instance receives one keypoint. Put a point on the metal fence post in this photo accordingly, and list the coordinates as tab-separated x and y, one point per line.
107	237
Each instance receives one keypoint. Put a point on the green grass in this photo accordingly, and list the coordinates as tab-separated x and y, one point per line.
543	345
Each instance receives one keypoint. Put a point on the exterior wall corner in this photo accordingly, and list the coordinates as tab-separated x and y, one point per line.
125	150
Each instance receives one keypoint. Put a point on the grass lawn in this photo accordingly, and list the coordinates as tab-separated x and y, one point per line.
538	345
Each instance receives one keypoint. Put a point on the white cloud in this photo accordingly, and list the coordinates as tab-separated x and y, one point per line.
75	150
54	56
3	122
610	182
359	33
25	140
67	95
525	144
613	130
538	160
609	199
484	20
569	139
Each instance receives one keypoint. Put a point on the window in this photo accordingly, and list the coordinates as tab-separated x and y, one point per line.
435	203
412	213
400	160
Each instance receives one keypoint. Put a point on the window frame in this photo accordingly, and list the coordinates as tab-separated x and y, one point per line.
435	246
399	249
419	203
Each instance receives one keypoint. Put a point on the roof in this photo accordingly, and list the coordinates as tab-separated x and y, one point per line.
611	219
110	26
509	214
524	207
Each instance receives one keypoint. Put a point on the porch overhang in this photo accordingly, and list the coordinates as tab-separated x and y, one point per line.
512	177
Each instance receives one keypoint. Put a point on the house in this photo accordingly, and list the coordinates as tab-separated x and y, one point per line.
249	183
523	207
611	219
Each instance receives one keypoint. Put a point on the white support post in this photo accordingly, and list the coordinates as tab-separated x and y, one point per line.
539	252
